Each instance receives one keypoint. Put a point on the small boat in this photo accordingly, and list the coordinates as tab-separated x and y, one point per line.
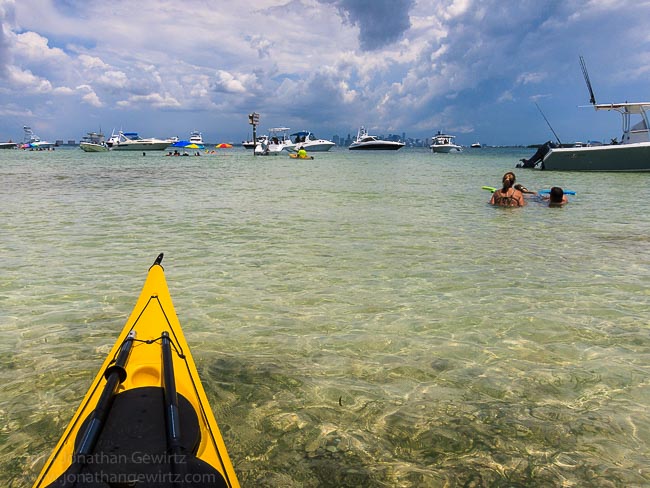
93	142
8	145
32	141
274	143
196	138
307	140
444	143
146	415
476	145
368	142
131	141
248	144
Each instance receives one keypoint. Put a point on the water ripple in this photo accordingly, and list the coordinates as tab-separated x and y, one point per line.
358	320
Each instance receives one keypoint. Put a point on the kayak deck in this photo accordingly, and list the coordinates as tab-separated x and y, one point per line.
146	418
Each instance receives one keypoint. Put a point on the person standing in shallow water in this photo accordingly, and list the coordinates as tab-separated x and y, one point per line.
508	195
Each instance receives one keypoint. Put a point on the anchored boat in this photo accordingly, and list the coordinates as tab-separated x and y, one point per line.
131	141
306	140
631	153
364	141
277	141
444	143
93	142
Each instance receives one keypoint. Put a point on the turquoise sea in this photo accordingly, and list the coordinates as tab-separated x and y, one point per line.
364	319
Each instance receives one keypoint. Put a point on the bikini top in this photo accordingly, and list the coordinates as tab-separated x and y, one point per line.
506	200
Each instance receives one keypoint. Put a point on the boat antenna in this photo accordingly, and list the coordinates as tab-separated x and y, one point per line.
592	98
549	124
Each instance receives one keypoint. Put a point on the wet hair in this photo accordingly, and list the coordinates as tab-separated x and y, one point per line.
556	195
508	179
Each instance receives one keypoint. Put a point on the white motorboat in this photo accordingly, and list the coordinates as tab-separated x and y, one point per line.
93	142
8	145
476	145
444	143
368	142
131	141
32	141
248	143
631	153
306	140
274	143
196	138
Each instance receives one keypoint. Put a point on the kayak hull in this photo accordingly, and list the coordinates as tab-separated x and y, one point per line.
159	428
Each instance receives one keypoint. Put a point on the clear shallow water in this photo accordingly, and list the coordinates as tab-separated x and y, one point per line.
363	319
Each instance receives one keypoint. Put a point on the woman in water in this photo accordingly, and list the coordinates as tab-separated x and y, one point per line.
508	196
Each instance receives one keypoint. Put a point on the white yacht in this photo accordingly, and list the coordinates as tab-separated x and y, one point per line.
93	142
8	145
131	141
274	143
249	144
32	141
444	143
368	142
196	138
259	140
306	140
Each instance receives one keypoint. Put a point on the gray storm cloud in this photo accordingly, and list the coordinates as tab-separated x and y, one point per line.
380	22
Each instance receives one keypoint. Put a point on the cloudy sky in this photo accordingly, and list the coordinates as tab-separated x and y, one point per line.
474	68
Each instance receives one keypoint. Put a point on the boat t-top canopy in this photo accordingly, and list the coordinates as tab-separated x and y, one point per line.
631	134
279	129
630	108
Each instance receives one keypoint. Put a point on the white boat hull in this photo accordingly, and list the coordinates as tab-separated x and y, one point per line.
316	146
445	148
365	141
272	149
623	157
92	147
141	146
376	145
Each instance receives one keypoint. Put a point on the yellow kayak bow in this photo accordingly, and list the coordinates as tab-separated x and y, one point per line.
145	421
